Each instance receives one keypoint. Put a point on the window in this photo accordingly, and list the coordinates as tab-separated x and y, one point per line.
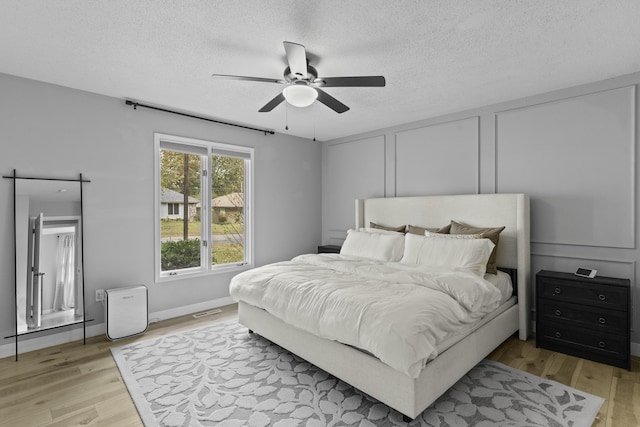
174	209
203	194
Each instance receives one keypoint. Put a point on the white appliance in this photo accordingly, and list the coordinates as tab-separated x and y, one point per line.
126	311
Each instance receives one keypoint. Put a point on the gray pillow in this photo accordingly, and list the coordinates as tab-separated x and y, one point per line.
399	229
491	233
420	230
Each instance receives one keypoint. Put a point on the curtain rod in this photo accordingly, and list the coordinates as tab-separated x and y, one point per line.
136	104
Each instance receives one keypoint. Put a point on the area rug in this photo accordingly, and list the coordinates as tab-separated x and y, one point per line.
223	376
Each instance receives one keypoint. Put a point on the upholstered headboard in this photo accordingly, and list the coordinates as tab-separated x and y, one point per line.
480	210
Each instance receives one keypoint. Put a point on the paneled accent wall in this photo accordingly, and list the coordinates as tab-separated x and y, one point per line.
416	171
575	158
353	169
573	151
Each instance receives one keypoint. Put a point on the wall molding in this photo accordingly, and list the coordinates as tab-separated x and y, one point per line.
632	198
396	134
385	147
589	258
381	135
339	194
564	98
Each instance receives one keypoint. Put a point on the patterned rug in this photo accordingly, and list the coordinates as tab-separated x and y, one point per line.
221	375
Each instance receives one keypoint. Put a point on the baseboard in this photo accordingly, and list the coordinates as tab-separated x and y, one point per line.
26	345
189	309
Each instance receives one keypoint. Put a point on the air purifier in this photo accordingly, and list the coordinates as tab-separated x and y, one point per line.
126	311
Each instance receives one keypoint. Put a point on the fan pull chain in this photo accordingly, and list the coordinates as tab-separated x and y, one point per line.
314	121
286	116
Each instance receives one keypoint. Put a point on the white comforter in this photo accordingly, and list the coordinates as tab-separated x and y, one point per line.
397	312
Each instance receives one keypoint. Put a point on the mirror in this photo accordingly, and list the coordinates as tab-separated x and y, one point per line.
48	221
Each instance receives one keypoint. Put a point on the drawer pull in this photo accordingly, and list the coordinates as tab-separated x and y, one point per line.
602	297
558	334
602	320
558	313
557	290
602	344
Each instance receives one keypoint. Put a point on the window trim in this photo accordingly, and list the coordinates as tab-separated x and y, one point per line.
171	208
212	148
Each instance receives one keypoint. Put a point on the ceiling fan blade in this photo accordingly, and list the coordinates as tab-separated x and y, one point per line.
272	104
297	58
247	78
331	102
357	81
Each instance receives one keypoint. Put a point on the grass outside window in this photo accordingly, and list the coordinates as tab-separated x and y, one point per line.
172	228
177	253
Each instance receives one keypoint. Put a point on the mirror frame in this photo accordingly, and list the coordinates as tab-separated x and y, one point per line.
80	180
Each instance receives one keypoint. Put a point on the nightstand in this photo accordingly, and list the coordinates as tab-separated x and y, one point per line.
588	318
329	249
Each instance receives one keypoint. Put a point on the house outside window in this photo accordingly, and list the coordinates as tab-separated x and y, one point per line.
203	216
171	204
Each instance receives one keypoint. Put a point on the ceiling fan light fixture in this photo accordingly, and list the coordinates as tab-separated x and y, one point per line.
300	95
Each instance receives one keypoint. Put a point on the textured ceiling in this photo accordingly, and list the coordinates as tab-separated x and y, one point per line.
438	56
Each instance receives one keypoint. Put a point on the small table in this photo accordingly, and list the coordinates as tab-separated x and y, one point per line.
584	317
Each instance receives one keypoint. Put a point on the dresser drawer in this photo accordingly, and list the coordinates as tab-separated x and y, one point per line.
581	342
592	318
586	293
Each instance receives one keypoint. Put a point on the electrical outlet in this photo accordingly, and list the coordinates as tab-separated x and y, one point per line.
99	294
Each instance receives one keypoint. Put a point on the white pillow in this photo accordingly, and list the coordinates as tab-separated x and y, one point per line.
427	233
467	254
381	231
378	246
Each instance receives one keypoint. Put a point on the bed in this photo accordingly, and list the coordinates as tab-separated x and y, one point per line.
411	394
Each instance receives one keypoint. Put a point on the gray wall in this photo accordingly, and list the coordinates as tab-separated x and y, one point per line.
60	132
573	151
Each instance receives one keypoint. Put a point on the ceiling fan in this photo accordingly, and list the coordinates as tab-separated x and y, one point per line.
303	86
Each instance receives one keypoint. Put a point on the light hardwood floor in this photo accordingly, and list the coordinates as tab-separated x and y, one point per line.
74	384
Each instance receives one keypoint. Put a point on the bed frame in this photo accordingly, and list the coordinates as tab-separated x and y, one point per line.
411	396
